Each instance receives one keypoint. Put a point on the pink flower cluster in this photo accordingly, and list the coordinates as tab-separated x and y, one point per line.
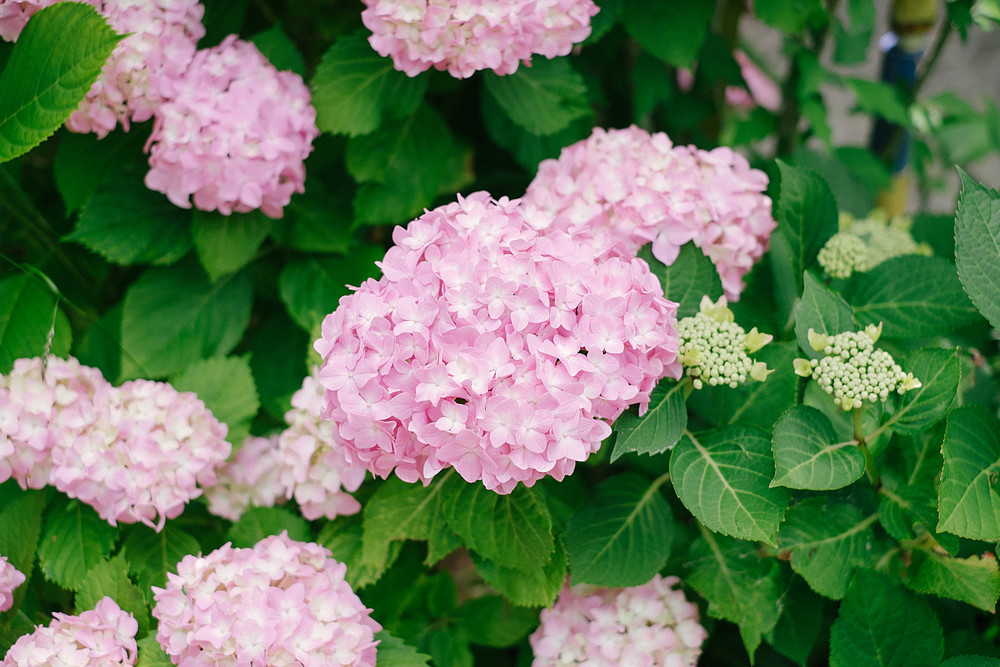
135	452
642	626
621	189
302	461
280	603
14	15
233	134
10	578
103	636
491	349
464	36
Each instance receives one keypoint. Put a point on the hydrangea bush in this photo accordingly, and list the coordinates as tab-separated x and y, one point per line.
463	333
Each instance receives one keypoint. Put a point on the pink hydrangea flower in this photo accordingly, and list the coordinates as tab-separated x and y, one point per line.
10	578
491	349
139	75
234	133
280	603
14	15
251	477
464	36
652	624
621	189
103	636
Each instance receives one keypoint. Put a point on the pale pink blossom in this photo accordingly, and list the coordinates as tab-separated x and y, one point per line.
10	578
14	14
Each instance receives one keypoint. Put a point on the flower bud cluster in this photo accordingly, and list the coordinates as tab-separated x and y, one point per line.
10	578
464	36
652	624
861	245
620	189
853	370
281	602
303	461
103	636
135	453
491	349
715	350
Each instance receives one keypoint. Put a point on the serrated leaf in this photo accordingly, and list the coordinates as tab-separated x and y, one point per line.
801	621
109	578
822	310
174	316
621	535
281	51
493	621
152	554
227	243
974	579
537	587
127	223
55	61
29	311
393	652
912	296
880	624
311	287
260	522
74	540
722	476
689	278
544	98
672	30
969	505
901	508
939	371
826	542
226	386
740	588
659	429
354	88
977	246
343	538
84	163
809	455
150	653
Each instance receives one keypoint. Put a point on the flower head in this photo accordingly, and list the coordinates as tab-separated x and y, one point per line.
861	245
714	349
10	578
14	15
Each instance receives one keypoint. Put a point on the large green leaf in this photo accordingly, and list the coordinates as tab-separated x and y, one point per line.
152	554
800	624
913	296
977	246
151	654
20	528
84	163
110	578
672	30
311	287
354	88
789	16
969	504
29	315
659	429
56	60
75	540
880	624
689	278
809	455
879	99
902	508
544	98
226	386
974	579
492	621
827	542
722	476
537	587
175	316
939	371
621	535
258	523
393	652
227	243
822	310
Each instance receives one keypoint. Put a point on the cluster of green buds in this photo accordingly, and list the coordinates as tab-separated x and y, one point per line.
714	349
861	245
852	369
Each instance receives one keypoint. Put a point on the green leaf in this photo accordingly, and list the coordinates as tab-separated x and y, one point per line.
969	505
971	661
318	220
20	528
882	625
912	295
740	587
659	429
393	652
174	316
977	246
29	314
226	386
278	376
691	277
801	621
227	243
276	46
514	530
110	578
343	538
260	522
879	99
150	653
544	98
311	287
789	16
56	60
722	476
672	30
939	371
152	554
900	509
974	579
827	542
808	454
75	539
621	535
492	621
537	587
84	163
821	309
354	89
127	223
